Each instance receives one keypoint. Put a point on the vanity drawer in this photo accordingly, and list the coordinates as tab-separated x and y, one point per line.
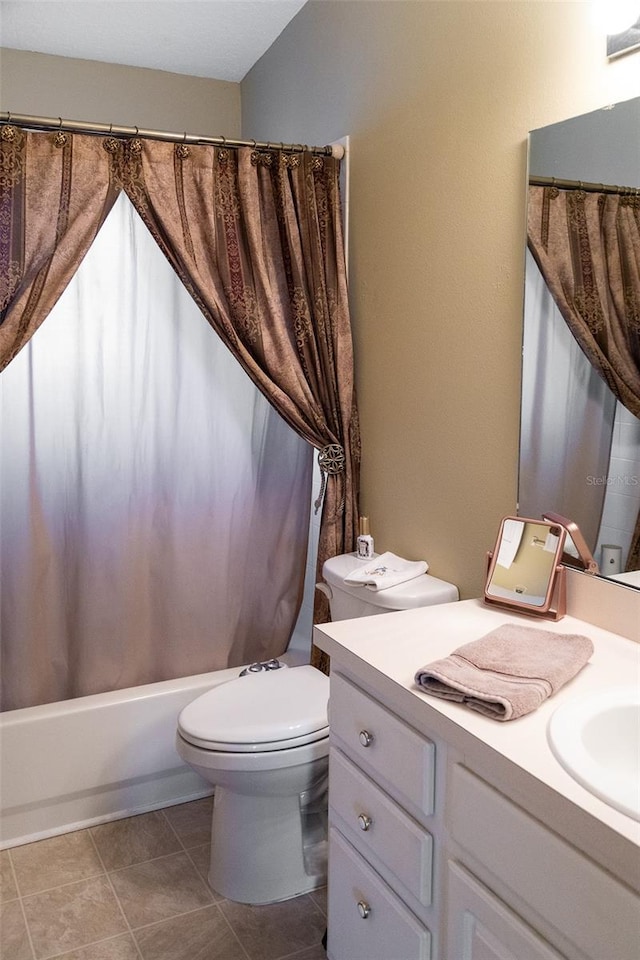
381	827
394	753
366	919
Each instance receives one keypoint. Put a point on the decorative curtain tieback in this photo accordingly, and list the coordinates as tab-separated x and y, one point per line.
331	461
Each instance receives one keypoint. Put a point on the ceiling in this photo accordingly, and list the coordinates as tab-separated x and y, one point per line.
219	39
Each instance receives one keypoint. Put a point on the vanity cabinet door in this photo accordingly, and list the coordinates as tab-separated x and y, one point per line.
367	921
579	899
481	927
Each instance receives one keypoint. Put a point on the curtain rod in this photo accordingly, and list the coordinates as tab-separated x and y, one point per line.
580	185
111	129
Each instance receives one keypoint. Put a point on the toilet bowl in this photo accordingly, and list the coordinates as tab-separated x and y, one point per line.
262	740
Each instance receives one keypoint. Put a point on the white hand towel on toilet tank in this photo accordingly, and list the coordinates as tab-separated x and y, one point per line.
385	571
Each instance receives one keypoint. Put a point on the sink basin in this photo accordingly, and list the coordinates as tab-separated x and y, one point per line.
597	741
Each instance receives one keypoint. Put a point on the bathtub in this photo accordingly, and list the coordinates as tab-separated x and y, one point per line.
69	765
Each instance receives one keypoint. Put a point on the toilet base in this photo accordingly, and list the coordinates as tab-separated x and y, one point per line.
265	849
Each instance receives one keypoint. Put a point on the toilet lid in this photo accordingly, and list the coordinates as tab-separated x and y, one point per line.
270	710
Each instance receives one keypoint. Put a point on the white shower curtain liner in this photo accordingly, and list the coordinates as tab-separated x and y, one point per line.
155	508
567	417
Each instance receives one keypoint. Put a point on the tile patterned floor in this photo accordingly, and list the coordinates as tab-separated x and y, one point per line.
136	889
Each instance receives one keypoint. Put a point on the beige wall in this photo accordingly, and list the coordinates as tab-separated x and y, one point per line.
46	86
438	99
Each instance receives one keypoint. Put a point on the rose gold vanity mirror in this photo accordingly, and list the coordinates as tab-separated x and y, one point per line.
526	570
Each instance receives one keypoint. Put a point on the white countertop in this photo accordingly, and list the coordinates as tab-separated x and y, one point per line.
398	644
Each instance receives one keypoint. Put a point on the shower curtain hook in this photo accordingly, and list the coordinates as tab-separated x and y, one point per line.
59	123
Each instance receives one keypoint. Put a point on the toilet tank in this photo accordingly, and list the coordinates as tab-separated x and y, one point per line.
348	601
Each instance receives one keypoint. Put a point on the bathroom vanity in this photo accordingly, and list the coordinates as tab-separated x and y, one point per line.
457	837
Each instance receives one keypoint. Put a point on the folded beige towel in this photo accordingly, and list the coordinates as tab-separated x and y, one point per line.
508	672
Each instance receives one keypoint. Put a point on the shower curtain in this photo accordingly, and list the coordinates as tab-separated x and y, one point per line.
256	237
155	507
567	417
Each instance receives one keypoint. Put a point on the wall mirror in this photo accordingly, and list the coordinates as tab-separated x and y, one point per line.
579	447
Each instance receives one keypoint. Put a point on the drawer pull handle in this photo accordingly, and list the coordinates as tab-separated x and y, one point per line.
363	909
364	821
366	738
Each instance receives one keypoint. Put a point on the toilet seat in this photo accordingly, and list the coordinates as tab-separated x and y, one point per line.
267	711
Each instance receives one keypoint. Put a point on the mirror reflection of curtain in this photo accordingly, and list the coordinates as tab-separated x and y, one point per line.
155	507
567	417
587	246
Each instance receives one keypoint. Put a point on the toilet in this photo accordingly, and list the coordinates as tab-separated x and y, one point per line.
262	740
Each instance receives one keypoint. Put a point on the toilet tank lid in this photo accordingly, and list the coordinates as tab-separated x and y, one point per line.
421	591
265	707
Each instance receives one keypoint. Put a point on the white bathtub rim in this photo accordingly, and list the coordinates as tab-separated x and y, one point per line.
114	697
